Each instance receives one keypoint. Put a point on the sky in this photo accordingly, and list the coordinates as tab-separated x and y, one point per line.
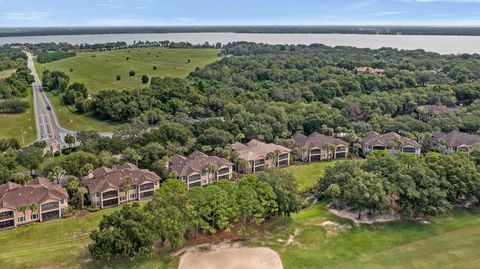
24	13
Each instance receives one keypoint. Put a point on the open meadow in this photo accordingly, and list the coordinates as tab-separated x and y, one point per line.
98	70
307	175
12	125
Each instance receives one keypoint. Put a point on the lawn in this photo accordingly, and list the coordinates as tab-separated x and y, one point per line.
71	120
98	70
307	174
60	244
447	242
7	73
12	125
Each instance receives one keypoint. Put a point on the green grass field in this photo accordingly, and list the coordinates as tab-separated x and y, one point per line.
98	70
447	242
7	73
12	125
60	244
307	175
71	120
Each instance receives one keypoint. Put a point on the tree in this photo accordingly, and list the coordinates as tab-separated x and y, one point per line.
366	191
285	188
118	78
131	73
145	79
124	233
126	187
171	212
334	191
256	200
329	148
212	169
273	156
23	209
33	207
86	169
70	140
21	179
30	157
57	174
82	191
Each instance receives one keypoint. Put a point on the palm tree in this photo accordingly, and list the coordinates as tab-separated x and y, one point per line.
395	145
126	187
273	156
81	191
86	169
23	208
329	148
303	152
70	140
21	179
211	169
33	207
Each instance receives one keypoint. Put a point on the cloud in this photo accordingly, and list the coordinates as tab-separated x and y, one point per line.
28	15
111	4
389	13
444	1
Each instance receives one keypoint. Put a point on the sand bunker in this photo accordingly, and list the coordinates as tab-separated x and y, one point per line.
231	257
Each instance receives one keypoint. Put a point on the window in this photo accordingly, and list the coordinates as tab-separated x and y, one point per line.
122	198
20	219
34	216
97	194
97	203
133	196
63	201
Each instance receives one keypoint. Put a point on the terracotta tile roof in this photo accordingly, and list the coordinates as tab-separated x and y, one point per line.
456	139
103	178
371	70
436	109
375	139
37	191
255	149
317	140
196	162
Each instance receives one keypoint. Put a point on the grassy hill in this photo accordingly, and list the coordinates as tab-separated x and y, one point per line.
98	70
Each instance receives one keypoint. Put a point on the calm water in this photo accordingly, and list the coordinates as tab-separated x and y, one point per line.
440	44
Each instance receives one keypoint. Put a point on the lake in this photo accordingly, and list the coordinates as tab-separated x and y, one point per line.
440	44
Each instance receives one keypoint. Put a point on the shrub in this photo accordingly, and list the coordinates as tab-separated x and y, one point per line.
119	77
145	79
154	68
131	73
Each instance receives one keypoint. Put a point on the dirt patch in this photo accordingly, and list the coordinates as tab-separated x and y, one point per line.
229	256
365	219
333	228
291	238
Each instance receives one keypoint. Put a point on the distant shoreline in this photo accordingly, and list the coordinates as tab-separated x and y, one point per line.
368	30
443	44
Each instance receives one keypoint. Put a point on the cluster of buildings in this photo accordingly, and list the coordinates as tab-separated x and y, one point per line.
41	200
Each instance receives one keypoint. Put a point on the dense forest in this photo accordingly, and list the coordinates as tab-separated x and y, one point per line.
14	87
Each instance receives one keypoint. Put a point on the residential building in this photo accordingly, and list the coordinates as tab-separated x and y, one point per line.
106	185
315	147
370	70
40	200
256	156
199	169
392	142
455	141
427	112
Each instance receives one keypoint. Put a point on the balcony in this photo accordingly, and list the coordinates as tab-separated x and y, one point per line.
109	194
6	215
50	206
148	186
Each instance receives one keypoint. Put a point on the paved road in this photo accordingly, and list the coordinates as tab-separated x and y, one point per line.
48	127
